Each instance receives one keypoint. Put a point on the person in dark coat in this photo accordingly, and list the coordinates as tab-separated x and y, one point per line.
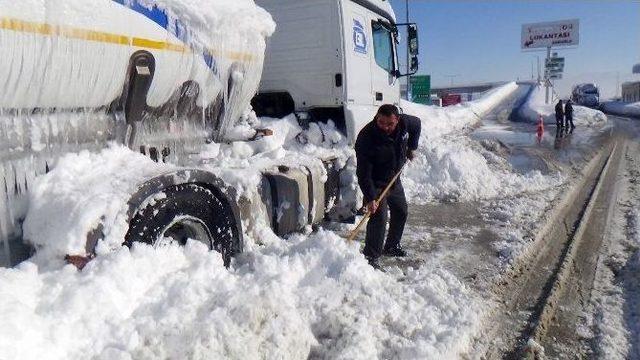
382	148
568	116
559	115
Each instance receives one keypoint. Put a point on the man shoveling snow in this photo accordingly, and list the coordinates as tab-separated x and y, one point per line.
382	148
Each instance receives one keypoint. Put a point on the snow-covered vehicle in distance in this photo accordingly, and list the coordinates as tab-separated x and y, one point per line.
333	60
586	95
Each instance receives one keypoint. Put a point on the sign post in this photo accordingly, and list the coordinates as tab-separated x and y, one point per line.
550	35
546	77
421	89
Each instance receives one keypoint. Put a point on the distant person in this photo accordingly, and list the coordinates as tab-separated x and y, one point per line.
559	115
382	148
568	116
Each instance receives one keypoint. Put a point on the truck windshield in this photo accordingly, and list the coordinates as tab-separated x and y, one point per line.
383	46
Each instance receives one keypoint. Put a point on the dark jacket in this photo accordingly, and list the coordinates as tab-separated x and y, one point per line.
559	110
568	110
381	156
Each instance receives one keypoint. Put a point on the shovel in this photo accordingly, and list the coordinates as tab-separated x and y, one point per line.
368	214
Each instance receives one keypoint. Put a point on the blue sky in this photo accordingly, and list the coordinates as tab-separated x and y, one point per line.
480	40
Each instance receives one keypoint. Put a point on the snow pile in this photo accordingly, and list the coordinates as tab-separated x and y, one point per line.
535	107
84	191
621	108
308	296
229	16
455	169
439	121
240	162
449	166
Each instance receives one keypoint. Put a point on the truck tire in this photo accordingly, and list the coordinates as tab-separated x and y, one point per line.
186	211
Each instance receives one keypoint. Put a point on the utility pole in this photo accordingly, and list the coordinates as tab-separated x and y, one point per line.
531	69
409	90
546	77
451	77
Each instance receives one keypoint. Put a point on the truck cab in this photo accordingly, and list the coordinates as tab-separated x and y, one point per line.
333	60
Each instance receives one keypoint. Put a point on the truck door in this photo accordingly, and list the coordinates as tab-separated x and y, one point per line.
369	60
383	63
358	51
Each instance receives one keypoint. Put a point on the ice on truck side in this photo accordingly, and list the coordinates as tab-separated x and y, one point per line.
137	75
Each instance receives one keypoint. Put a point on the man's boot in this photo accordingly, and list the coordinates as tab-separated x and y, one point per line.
374	263
395	251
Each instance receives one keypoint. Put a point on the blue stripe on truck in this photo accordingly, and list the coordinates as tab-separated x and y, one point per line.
175	27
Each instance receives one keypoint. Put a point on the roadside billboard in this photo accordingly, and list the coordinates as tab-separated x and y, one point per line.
451	99
550	34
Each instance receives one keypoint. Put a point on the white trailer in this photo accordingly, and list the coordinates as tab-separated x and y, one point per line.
333	60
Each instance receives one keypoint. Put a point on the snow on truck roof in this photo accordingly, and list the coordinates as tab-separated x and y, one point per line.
383	7
197	25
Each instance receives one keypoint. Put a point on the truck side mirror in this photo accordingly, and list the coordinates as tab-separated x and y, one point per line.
412	40
413	47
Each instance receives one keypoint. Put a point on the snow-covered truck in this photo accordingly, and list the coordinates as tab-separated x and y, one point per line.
333	60
164	78
161	77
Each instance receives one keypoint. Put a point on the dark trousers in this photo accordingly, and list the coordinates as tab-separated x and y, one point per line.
559	123
568	122
396	204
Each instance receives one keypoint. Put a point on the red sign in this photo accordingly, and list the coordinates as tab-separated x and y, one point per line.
451	99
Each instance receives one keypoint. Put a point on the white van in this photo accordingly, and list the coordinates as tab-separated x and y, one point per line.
332	60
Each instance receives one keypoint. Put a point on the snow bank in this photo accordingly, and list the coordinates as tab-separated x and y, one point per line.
450	166
534	107
459	169
438	121
240	162
622	108
308	296
84	191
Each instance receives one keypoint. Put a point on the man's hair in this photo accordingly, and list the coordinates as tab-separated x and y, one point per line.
388	110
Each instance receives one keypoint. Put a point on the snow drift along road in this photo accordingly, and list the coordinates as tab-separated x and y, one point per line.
622	108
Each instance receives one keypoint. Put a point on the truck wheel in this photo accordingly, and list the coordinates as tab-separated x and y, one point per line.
183	212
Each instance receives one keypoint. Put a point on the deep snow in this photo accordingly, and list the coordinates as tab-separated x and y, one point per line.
308	295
